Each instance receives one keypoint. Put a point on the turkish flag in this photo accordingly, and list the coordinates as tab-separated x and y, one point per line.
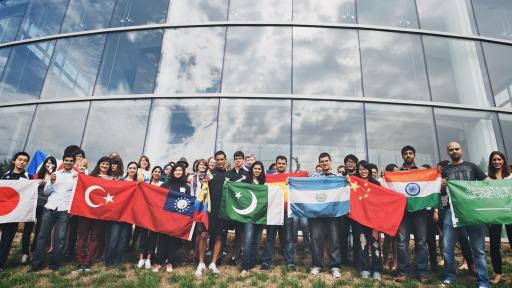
376	207
145	205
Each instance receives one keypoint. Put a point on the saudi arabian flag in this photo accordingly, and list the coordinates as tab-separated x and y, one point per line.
480	202
421	187
250	203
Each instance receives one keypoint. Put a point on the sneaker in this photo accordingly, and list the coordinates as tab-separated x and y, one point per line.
291	268
377	276
147	264
243	273
232	261
365	274
212	267
168	268
464	266
315	270
446	283
87	268
497	279
24	258
140	263
335	272
201	268
265	267
155	267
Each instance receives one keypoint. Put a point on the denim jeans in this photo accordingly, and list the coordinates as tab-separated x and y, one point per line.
289	242
476	235
118	243
252	234
415	222
319	228
369	251
58	221
302	223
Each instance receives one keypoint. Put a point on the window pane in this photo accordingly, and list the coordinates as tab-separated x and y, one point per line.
4	55
499	65
25	71
326	61
118	126
11	14
392	127
475	131
136	12
454	16
261	127
181	128
74	67
191	61
42	18
456	71
130	62
506	128
14	132
319	126
494	18
87	15
262	10
197	11
393	66
333	11
258	60
397	13
56	126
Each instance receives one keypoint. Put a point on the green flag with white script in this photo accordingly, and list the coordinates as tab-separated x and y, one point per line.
250	203
481	202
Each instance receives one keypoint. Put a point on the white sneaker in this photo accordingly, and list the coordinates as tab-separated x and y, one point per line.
336	272
213	268
140	263
365	274
168	268
315	270
155	268
377	276
147	264
201	268
24	258
243	273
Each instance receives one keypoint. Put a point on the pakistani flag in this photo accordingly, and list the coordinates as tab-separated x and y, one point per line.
480	202
421	187
250	203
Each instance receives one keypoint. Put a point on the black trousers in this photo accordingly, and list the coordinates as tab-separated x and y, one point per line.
8	233
369	252
432	230
495	239
167	248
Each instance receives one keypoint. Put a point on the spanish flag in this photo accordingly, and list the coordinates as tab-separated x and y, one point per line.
281	180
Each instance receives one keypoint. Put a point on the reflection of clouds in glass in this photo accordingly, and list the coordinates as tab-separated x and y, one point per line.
262	10
135	12
400	126
116	126
400	13
191	61
333	11
84	15
499	65
326	61
494	18
506	127
197	11
181	128
446	15
14	129
393	66
42	18
257	60
12	14
55	126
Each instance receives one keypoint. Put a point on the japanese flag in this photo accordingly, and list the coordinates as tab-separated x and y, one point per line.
18	200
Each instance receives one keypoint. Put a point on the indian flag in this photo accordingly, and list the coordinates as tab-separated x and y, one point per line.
421	187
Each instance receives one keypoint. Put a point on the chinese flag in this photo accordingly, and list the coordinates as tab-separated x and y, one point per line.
375	206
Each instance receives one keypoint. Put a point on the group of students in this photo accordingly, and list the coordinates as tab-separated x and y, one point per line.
87	239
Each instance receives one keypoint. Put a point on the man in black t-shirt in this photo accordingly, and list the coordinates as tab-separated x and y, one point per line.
459	169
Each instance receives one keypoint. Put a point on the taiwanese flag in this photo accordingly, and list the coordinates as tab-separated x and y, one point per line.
281	180
376	207
144	205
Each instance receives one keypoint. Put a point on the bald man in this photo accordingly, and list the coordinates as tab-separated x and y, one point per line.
459	169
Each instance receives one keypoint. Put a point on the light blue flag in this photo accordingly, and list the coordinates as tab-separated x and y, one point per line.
318	197
36	162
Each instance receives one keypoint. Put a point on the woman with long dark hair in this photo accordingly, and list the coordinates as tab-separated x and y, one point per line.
368	254
120	231
49	166
498	169
117	167
252	232
168	245
90	231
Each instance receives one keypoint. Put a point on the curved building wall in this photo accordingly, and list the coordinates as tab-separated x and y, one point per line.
188	77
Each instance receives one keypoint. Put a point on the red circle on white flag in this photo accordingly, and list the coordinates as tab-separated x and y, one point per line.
9	199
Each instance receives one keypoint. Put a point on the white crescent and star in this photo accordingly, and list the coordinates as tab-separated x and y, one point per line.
108	198
250	208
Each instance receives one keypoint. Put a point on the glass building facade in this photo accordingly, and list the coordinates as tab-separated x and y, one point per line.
172	78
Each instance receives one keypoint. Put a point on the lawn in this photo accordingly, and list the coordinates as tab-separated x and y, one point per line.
16	275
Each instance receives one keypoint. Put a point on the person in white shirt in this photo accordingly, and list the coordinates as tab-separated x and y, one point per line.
60	190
